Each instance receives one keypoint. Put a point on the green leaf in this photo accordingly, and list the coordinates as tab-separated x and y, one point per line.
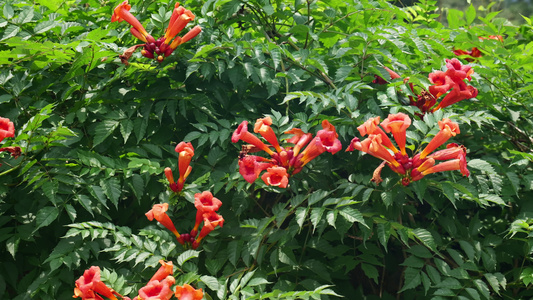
25	16
317	196
481	165
387	198
342	73
137	185
187	255
103	130
473	293
482	288
10	31
412	279
384	232
12	245
496	280
455	18
112	189
8	11
45	216
229	8
420	251
300	214
425	237
211	282
470	14
527	276
316	216
413	262
352	215
433	274
126	127
370	271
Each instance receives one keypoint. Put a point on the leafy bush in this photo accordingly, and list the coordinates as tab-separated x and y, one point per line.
95	136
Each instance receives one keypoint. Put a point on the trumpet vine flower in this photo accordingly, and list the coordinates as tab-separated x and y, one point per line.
158	212
449	84
285	160
89	286
157	290
276	176
206	206
421	164
166	269
165	45
204	203
7	129
211	220
186	152
475	52
187	292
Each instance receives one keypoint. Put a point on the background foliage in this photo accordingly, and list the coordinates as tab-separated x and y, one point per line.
96	136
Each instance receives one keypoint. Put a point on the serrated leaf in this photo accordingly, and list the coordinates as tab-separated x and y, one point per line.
45	216
211	282
473	293
137	185
413	262
386	196
316	216
317	196
496	280
425	237
482	288
433	274
112	189
481	165
384	232
10	31
352	215
12	245
103	130
126	127
300	214
187	255
470	14
412	279
8	11
370	271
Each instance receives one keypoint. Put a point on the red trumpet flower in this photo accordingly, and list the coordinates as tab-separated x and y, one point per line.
420	165
285	161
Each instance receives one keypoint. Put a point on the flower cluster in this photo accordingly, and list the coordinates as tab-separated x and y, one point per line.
206	206
284	161
449	84
165	45
90	287
7	129
412	169
159	286
474	53
186	152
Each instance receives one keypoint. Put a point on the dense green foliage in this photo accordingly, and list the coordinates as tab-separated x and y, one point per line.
96	135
